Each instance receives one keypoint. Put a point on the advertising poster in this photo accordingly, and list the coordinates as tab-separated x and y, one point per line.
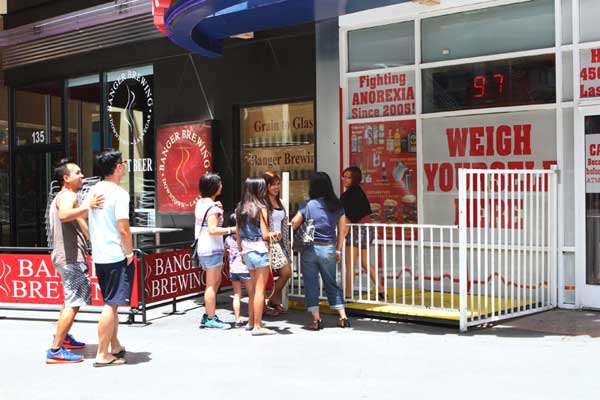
32	279
386	152
525	140
381	95
170	274
592	163
183	155
280	138
589	73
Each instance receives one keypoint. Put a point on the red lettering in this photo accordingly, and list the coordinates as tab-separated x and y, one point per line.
522	144
503	140
595	55
457	141
476	148
430	172
446	177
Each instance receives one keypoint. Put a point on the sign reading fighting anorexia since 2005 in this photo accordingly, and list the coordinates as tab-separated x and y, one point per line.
183	155
592	163
381	95
525	140
590	73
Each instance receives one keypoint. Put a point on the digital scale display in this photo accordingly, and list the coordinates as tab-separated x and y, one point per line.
513	82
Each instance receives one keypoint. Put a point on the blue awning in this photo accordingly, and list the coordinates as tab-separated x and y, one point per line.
201	25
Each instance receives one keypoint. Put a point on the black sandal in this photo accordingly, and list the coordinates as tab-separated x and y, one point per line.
316	325
344	323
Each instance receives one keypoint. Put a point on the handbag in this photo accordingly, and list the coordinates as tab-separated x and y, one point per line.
195	258
304	236
276	255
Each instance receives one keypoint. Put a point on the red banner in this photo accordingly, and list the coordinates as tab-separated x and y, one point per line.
184	154
32	279
171	274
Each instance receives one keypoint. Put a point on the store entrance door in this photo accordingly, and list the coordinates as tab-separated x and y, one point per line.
34	167
587	200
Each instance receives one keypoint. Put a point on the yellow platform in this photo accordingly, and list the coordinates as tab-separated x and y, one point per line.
422	309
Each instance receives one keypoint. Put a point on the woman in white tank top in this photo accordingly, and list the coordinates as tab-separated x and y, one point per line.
280	260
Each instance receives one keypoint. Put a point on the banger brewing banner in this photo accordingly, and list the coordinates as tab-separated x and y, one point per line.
32	279
170	275
184	154
525	140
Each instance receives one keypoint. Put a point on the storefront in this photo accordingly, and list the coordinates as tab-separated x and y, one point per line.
174	115
469	84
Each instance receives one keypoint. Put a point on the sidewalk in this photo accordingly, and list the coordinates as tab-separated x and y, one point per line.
528	358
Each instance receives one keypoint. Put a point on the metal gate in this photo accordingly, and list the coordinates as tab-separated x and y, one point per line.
508	244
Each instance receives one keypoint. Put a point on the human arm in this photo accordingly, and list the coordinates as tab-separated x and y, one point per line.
264	227
126	241
69	210
342	231
84	227
297	220
215	229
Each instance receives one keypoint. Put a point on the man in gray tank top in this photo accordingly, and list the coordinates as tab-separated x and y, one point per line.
68	231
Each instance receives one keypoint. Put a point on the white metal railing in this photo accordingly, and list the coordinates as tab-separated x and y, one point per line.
508	245
499	262
415	265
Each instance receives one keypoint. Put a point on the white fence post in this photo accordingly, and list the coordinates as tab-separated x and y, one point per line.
462	249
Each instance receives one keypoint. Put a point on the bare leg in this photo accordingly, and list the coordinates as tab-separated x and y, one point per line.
261	276
115	345
351	255
213	281
65	321
250	289
237	294
284	275
106	331
365	263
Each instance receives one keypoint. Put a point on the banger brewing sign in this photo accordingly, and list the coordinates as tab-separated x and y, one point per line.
381	95
32	279
525	140
184	154
170	275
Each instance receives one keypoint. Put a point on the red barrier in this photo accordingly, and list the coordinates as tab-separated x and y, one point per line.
32	279
170	274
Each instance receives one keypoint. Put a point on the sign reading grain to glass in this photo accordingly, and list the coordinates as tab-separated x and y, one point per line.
280	138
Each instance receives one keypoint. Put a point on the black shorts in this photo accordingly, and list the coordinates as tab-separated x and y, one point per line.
116	282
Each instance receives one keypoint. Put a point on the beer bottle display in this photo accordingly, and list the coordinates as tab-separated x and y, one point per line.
412	141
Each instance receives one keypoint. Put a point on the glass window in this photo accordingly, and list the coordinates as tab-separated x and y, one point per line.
567	22
516	27
38	114
4	170
381	46
592	199
84	121
589	73
520	140
589	14
280	138
512	82
130	110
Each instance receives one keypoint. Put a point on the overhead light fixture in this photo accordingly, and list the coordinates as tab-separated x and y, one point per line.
427	2
245	36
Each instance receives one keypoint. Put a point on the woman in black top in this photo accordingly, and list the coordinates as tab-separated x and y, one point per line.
357	210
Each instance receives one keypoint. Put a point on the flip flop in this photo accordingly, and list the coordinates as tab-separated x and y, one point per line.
270	312
277	307
112	363
120	354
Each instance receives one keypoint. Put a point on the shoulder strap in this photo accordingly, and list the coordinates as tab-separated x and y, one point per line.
308	209
204	219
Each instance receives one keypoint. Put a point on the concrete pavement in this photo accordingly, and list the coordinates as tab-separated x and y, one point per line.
172	359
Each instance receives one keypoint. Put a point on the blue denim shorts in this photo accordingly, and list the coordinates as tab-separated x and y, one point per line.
239	276
255	260
212	261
